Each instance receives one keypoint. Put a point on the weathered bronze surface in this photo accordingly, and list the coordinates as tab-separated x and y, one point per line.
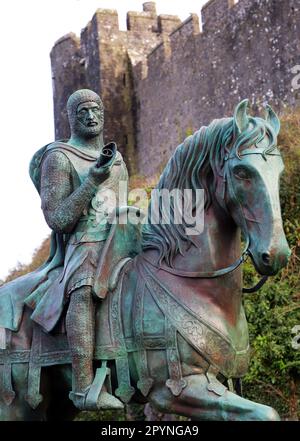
159	311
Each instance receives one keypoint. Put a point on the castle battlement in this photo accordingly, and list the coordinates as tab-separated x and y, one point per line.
141	21
167	23
189	27
163	78
149	21
149	7
162	52
67	39
214	10
107	20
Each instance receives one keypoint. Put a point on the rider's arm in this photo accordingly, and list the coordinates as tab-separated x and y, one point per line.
63	207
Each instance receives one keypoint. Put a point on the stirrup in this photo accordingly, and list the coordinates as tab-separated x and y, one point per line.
90	398
95	388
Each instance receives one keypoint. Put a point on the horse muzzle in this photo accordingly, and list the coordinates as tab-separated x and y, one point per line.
269	260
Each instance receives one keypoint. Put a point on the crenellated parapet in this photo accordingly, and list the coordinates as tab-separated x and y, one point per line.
141	22
167	23
213	11
107	21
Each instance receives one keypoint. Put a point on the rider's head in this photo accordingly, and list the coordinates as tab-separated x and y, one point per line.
85	113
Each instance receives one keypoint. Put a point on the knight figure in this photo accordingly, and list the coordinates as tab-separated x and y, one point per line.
78	193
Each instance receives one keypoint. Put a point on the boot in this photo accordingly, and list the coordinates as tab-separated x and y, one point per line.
103	402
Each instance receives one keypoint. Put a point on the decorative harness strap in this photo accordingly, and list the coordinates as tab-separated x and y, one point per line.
33	396
145	381
125	390
176	383
6	387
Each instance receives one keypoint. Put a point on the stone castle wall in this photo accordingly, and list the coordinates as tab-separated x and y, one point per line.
162	79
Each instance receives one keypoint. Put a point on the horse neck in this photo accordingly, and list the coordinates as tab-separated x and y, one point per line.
218	246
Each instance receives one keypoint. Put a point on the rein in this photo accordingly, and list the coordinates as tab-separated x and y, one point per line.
211	274
202	274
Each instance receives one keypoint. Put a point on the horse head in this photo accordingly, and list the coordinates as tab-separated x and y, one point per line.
251	174
237	163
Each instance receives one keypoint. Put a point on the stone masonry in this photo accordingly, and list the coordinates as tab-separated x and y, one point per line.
162	79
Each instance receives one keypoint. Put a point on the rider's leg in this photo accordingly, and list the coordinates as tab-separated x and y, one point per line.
80	331
197	402
81	334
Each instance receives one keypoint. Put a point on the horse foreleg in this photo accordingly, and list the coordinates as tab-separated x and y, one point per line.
197	402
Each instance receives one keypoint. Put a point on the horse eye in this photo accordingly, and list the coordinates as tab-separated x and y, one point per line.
241	173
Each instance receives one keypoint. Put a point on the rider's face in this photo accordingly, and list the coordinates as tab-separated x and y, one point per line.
89	119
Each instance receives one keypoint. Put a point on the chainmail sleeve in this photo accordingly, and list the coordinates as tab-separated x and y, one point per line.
61	205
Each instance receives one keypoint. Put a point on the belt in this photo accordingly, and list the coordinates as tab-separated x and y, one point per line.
89	236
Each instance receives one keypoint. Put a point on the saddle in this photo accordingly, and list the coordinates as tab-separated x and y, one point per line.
122	244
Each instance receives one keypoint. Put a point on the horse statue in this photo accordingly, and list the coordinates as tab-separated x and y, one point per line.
172	330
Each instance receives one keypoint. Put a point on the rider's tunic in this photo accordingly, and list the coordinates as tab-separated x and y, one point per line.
85	243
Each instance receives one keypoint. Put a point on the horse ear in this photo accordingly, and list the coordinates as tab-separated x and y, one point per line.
240	116
272	119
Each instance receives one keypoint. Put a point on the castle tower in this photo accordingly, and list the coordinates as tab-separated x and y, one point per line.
103	60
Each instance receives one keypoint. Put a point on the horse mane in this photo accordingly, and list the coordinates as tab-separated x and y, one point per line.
196	164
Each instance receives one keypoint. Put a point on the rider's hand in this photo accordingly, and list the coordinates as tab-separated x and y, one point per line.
98	174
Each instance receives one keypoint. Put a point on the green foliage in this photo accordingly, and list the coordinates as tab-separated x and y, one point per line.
274	375
189	131
274	372
40	255
132	412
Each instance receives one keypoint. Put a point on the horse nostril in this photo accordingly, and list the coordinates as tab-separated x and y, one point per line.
266	258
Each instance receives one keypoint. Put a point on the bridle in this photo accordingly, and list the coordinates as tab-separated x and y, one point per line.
227	180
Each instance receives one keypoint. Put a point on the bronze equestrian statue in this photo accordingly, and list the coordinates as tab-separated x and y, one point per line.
159	311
